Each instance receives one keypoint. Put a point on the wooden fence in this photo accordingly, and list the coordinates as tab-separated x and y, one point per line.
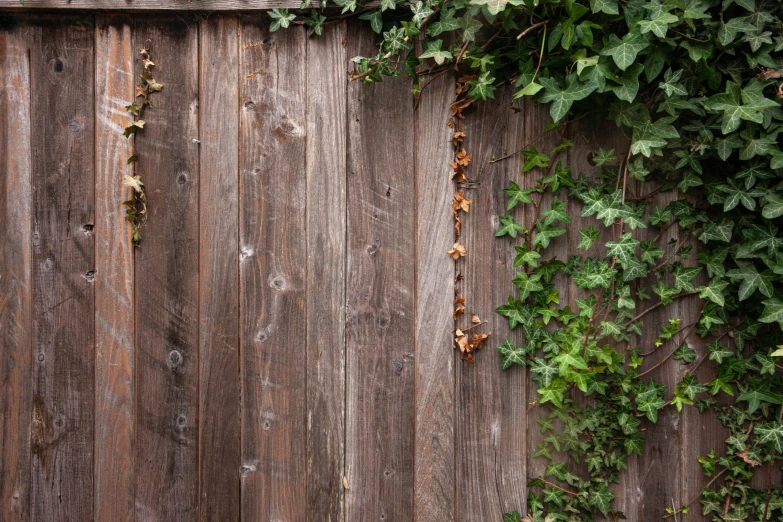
279	347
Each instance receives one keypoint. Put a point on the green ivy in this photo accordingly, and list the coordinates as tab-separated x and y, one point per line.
696	87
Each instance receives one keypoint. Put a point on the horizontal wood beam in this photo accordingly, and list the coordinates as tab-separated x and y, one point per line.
151	5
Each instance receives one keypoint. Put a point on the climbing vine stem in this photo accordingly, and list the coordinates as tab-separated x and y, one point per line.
136	206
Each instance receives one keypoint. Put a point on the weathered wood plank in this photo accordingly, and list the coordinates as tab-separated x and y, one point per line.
491	403
151	5
435	495
219	389
326	253
16	209
62	431
380	430
166	278
114	338
273	253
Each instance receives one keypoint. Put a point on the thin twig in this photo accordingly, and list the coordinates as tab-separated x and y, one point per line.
532	27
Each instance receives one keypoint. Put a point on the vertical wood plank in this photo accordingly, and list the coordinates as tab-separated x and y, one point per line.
62	432
326	252
114	338
491	403
219	388
380	430
166	277
273	261
434	487
15	272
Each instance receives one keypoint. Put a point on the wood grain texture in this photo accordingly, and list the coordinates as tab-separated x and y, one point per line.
114	321
326	254
62	431
219	389
380	307
151	5
166	278
491	403
15	272
435	358
273	253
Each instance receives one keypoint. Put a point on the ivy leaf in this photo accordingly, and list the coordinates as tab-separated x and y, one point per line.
736	106
432	49
515	311
526	257
493	6
717	231
752	280
773	311
546	371
604	6
570	360
281	18
446	22
508	226
727	32
562	99
545	234
517	195
420	12
759	391
470	27
511	355
770	433
376	20
624	51
556	213
714	291
527	284
659	24
601	498
587	237
623	248
683	277
774	206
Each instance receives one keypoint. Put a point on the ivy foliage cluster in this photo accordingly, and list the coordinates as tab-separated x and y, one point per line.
695	85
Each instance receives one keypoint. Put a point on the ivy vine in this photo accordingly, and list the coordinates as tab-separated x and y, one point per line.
696	86
136	206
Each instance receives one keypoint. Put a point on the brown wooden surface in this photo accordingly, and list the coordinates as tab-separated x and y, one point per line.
219	387
434	486
63	269
326	251
15	273
167	278
279	346
114	325
273	246
380	303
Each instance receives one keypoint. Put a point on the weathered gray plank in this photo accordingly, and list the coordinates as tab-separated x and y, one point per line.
326	252
219	389
434	374
114	348
491	404
166	278
62	432
380	336
151	5
16	209
273	250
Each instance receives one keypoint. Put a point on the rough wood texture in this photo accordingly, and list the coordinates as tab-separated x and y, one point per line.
167	278
114	337
326	250
219	389
287	319
435	359
63	270
15	273
273	250
151	5
380	336
491	404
